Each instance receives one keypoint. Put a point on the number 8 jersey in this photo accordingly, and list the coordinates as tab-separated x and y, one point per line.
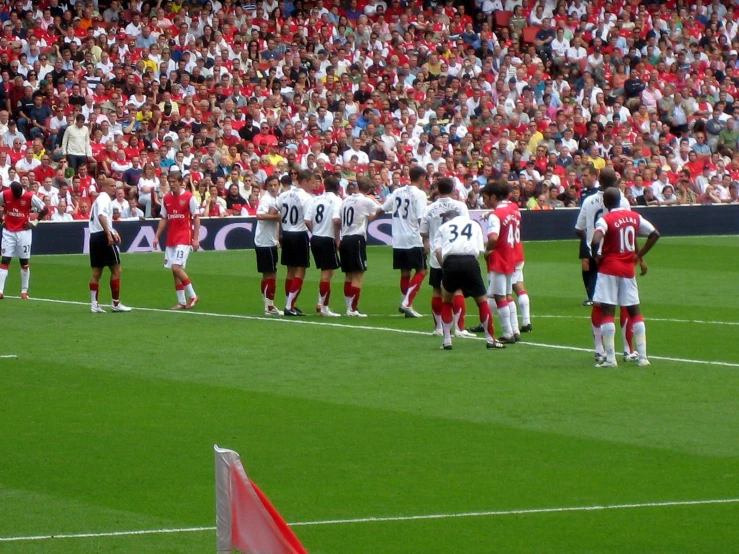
505	221
620	228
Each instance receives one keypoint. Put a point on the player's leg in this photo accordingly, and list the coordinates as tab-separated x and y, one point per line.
412	259
324	293
95	307
4	265
498	286
627	334
179	288
115	289
24	256
447	317
608	332
356	291
25	277
348	296
524	306
458	307
605	297
628	296
296	286
299	262
513	315
405	277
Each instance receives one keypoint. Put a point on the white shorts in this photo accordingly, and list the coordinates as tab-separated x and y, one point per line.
16	244
616	291
500	284
176	255
518	274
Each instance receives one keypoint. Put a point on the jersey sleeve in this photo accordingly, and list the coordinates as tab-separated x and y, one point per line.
264	206
645	228
582	220
387	206
37	203
420	203
336	214
163	211
424	227
493	225
479	241
463	209
438	239
601	225
308	210
194	208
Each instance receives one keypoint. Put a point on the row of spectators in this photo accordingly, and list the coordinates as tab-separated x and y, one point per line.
541	93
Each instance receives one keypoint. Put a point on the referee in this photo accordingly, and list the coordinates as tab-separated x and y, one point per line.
103	247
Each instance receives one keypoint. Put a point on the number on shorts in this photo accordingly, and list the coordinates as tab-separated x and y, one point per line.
627	237
319	213
25	249
348	216
180	254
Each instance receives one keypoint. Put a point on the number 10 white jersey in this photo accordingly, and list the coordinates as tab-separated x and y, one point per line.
355	213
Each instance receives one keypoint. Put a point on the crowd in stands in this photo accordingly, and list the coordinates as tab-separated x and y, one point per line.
226	93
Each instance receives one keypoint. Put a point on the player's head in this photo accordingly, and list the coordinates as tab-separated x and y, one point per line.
418	175
331	184
108	185
611	197
608	178
272	185
445	185
364	185
306	179
17	189
495	192
449	215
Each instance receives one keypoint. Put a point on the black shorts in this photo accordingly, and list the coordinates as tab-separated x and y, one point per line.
353	252
101	253
266	259
295	249
409	258
463	272
435	277
325	253
585	251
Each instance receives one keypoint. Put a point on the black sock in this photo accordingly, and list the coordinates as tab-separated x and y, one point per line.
586	281
593	276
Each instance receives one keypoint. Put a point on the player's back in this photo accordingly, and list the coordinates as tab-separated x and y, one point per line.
267	229
460	236
101	206
506	222
432	219
355	212
620	229
293	204
592	208
17	210
407	205
518	255
322	211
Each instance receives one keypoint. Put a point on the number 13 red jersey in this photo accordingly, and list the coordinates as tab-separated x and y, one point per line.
179	210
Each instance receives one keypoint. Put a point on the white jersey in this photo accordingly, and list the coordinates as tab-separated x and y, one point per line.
267	229
355	213
293	207
460	236
592	208
407	205
321	213
431	220
103	205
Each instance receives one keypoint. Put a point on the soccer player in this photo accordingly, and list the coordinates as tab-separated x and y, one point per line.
616	233
17	238
266	242
293	204
519	288
103	247
457	244
407	205
357	211
181	213
430	223
323	219
504	232
589	213
592	209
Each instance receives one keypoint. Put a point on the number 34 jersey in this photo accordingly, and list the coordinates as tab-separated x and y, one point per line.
407	206
620	228
505	222
460	236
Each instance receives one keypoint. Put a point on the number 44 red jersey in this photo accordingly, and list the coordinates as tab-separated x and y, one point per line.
620	228
505	221
179	209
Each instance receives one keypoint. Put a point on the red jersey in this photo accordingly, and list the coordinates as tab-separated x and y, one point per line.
18	210
179	210
518	245
505	221
620	228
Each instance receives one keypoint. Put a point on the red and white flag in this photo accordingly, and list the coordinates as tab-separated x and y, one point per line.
245	519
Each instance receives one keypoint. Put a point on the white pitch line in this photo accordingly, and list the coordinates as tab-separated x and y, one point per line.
8	356
366	328
490	513
648	319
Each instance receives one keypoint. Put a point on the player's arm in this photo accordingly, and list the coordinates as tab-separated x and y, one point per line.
374	209
161	227
336	218
493	232
436	245
595	244
386	206
195	212
106	227
581	224
646	228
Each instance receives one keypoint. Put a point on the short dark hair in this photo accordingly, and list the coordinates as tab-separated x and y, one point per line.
331	183
445	185
417	173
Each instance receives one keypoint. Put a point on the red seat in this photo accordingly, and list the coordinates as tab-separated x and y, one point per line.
529	34
503	18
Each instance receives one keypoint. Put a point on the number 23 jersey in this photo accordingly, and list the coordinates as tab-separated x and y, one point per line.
620	228
505	222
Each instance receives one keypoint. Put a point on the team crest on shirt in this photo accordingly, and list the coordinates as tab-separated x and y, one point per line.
182	203
23	202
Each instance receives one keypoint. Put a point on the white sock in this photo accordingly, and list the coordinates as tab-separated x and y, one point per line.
608	330
437	321
640	339
447	327
505	320
407	296
190	290
3	276
523	304
25	278
623	338
181	297
349	300
291	299
93	297
513	313
598	339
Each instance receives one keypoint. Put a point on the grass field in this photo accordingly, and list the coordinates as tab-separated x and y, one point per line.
107	422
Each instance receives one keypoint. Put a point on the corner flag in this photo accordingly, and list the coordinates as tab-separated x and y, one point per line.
245	519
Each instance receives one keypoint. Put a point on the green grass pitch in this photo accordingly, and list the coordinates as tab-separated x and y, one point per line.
107	422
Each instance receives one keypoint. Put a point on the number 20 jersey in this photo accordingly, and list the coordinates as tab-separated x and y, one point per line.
505	221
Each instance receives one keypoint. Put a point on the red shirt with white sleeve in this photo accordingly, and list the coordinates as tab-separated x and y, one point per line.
620	228
180	210
505	221
18	210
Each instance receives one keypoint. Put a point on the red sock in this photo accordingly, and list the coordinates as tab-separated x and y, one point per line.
270	286
295	287
355	291
95	287
186	282
288	286
324	290
596	316
404	283
459	306
415	286
179	287
636	319
6	266
447	313
347	288
486	318
436	304
115	289
629	335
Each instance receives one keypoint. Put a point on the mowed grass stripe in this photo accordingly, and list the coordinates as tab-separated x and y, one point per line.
371	328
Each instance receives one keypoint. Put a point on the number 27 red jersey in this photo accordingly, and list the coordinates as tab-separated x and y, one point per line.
620	228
